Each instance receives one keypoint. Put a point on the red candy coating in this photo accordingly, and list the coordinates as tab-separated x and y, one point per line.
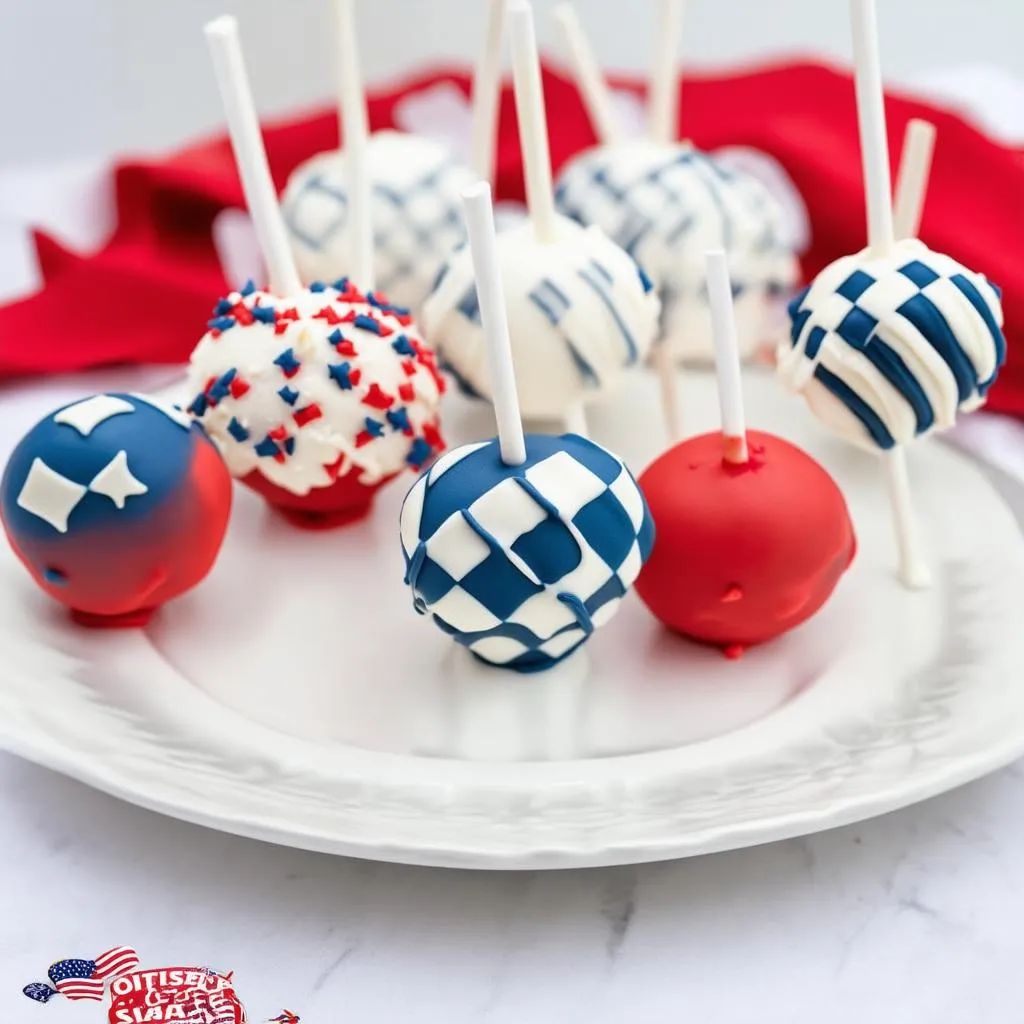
345	501
742	553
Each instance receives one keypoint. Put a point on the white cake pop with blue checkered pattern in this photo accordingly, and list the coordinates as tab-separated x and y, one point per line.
580	313
667	204
889	348
415	187
522	563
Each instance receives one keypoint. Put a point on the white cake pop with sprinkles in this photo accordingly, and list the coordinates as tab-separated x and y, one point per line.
521	546
665	203
580	309
412	183
315	396
892	343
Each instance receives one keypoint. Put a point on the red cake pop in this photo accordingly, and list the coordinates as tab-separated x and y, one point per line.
751	534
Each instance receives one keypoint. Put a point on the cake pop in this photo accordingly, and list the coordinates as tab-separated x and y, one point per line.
665	203
115	504
581	310
410	185
519	547
316	396
752	534
891	343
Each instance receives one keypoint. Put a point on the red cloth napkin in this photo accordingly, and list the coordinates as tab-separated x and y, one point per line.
146	296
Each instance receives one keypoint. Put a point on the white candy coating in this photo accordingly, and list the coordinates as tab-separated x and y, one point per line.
666	205
887	349
580	311
339	432
416	214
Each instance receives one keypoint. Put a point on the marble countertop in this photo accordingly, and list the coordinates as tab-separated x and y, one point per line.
910	918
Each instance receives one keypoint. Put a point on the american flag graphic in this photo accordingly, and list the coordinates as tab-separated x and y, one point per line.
85	979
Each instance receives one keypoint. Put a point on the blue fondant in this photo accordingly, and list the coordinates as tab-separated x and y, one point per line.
287	361
974	297
928	319
248	288
267	448
289	395
367	323
221	323
856	327
403	346
920	273
223	306
264	314
317	286
855	285
340	375
398	418
237	431
419	452
373	427
871	421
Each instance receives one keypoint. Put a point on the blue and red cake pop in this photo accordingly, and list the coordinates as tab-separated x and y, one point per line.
116	504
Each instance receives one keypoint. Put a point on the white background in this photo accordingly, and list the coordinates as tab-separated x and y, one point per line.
87	77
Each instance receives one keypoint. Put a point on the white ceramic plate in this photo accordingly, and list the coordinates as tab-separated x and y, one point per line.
296	697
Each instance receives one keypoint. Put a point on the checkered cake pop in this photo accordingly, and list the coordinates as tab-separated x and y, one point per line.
417	220
317	399
666	203
406	186
522	563
889	348
520	547
891	343
115	504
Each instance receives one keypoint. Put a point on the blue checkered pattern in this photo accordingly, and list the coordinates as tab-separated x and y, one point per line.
897	315
417	223
521	563
679	200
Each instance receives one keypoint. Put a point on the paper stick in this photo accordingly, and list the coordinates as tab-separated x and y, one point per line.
533	129
483	249
576	420
663	96
912	179
727	358
913	570
874	145
250	156
590	81
486	95
668	379
355	134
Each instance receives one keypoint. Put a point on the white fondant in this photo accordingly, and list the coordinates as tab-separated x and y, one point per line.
882	301
415	209
172	412
116	481
542	615
251	351
498	649
558	645
625	489
594	317
86	416
566	483
414	501
606	612
687	206
458	606
507	512
456	548
50	495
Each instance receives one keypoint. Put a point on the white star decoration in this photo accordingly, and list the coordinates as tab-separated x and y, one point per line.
86	416
170	411
49	495
116	481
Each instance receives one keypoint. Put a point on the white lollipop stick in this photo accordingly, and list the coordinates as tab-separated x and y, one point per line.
874	145
912	179
486	94
913	571
727	358
590	81
663	100
476	202
576	420
665	367
533	128
355	151
250	156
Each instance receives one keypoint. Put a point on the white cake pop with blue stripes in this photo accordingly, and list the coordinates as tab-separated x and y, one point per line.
521	563
580	313
889	348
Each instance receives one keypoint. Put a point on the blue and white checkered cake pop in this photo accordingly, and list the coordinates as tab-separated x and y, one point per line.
892	343
665	203
521	546
412	184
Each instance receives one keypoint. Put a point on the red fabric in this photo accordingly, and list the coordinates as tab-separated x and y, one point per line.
147	295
